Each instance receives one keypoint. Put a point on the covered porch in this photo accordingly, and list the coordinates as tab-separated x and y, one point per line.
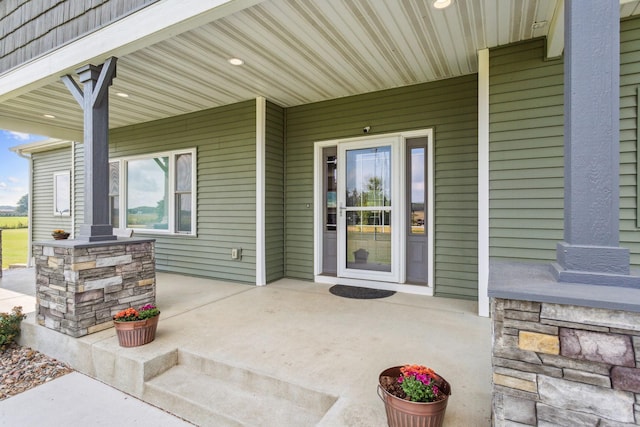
300	347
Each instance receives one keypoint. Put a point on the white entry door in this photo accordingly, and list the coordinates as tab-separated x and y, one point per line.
369	206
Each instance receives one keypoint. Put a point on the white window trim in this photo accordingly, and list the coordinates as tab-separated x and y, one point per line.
171	225
55	192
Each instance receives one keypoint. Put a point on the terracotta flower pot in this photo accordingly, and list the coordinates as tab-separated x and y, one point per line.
138	332
405	413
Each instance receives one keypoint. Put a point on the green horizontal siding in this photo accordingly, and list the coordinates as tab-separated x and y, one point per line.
447	106
225	141
629	82
45	164
526	149
526	152
78	186
274	192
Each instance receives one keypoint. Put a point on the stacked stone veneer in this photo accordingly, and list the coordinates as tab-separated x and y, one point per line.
564	365
80	286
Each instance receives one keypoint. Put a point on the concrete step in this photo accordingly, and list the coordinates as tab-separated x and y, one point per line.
210	393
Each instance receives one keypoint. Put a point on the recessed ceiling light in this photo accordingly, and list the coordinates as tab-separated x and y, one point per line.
441	4
236	61
49	116
122	94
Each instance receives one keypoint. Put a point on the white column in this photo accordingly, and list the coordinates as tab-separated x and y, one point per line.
483	182
261	123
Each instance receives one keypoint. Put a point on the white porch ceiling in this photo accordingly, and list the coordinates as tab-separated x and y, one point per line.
295	52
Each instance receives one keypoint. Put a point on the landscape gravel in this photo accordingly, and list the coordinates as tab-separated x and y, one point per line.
22	368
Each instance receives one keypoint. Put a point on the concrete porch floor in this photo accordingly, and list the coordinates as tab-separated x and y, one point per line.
291	332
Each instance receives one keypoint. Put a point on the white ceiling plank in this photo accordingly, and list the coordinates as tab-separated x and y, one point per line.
505	20
489	10
295	52
543	16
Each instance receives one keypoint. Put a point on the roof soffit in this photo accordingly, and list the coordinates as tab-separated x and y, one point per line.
295	52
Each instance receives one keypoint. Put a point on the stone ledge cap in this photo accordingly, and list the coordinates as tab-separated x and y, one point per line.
72	243
535	282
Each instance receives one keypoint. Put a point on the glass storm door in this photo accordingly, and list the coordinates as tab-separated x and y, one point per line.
367	221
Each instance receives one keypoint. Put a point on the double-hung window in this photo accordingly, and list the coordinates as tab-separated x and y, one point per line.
154	193
62	193
114	193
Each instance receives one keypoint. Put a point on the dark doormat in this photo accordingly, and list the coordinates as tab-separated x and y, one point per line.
357	292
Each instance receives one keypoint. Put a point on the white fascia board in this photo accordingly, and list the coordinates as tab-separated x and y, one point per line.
27	126
152	24
38	146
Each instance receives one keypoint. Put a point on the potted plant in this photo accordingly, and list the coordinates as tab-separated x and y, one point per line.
59	234
136	327
413	395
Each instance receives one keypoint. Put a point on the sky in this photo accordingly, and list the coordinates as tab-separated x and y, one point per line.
14	170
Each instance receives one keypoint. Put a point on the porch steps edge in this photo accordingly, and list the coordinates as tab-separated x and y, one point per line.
72	351
99	356
207	392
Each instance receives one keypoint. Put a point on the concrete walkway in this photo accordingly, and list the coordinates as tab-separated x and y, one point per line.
77	400
17	288
291	335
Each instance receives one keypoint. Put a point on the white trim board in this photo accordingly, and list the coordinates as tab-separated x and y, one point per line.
261	123
483	182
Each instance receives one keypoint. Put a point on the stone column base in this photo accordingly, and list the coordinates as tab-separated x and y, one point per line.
561	364
80	285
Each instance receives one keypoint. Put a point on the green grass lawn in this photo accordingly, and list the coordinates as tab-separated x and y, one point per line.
14	247
14	240
14	222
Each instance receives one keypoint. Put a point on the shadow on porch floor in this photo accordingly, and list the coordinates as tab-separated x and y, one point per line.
290	337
